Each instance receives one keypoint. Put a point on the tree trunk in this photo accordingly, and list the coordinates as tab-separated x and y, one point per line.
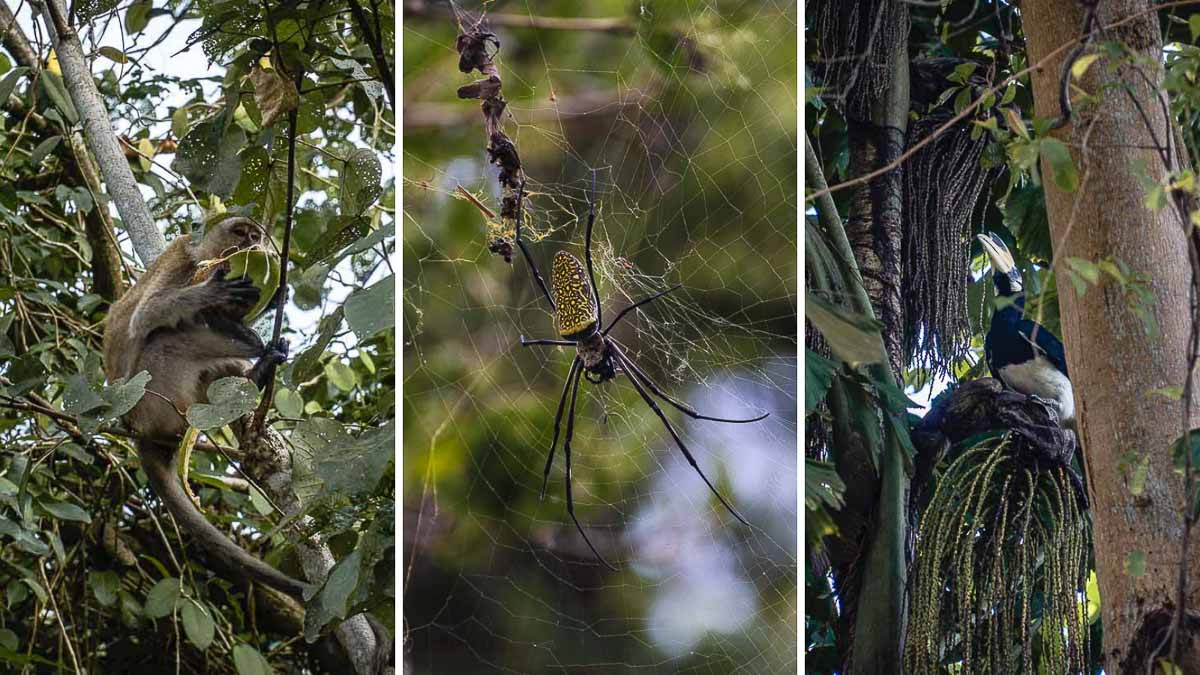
876	218
869	563
1114	364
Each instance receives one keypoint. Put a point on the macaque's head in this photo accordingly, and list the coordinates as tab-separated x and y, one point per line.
223	238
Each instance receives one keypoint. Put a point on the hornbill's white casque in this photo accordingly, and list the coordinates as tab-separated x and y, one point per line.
1022	353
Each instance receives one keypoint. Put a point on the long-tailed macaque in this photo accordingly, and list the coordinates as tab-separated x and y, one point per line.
187	335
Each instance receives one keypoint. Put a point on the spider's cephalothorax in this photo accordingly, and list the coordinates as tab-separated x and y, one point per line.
598	357
578	320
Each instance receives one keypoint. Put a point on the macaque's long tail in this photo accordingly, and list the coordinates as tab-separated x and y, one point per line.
230	561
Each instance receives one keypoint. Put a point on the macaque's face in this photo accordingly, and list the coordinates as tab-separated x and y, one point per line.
230	236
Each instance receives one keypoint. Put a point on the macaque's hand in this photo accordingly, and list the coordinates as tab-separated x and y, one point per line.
239	294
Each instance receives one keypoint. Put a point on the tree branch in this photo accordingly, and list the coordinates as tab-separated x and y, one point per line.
101	139
14	40
375	41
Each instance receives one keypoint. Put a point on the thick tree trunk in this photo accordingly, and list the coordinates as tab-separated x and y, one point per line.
876	219
869	559
1114	364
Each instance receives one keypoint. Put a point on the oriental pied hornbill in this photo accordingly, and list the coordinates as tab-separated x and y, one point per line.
1020	352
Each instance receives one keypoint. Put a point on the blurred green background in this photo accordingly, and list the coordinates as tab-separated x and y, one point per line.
686	112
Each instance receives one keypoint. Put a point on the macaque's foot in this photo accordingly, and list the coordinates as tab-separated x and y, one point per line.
264	369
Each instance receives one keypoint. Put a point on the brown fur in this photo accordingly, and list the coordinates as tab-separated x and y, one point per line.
187	336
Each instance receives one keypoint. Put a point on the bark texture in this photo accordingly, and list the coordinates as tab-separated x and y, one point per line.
876	220
1114	364
101	139
14	39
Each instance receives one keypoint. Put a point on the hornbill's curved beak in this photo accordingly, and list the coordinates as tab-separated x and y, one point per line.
997	252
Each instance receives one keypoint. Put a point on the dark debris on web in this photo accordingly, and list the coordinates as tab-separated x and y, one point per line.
477	49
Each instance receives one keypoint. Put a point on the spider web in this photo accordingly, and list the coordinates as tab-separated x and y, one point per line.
689	128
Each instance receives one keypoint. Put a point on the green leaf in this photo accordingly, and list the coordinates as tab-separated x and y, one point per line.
1137	482
209	156
1058	156
822	485
57	92
262	269
1093	597
315	438
105	586
229	398
371	310
962	71
9	83
1166	667
330	602
892	398
122	396
864	416
367	361
66	511
255	172
1086	269
1135	563
78	398
138	16
43	149
1082	64
339	234
341	375
1156	198
1010	93
818	376
248	661
962	100
8	640
351	468
308	364
288	402
197	624
361	182
1025	213
179	122
113	54
1174	392
1012	118
1194	25
853	338
1185	445
161	599
260	502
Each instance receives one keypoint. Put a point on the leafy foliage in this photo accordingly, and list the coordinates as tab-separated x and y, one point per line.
80	532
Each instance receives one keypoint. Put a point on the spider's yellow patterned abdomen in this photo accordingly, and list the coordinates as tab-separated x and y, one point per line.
572	296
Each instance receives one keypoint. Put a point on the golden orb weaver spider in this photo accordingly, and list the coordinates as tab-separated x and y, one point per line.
599	357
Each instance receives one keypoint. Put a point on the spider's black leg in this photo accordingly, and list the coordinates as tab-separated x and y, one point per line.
675	435
572	376
537	276
632	367
639	303
557	343
567	454
587	250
